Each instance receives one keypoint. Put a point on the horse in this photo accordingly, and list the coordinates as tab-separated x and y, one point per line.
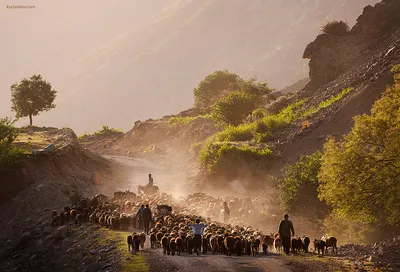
153	190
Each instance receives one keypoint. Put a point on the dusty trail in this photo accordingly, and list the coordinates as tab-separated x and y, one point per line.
214	263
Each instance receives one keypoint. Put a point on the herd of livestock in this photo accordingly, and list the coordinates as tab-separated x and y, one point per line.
170	226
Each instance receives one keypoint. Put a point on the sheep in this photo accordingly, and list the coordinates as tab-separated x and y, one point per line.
179	245
213	244
320	246
153	240
330	242
142	238
172	246
165	245
129	240
306	243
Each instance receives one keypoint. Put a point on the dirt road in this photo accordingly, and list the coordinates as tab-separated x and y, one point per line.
214	263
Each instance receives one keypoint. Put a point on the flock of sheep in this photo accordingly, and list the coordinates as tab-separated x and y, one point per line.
170	230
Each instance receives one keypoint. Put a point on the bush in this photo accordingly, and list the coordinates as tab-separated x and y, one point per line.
336	28
234	108
181	120
106	130
259	113
221	83
229	158
360	175
299	188
277	105
9	155
215	86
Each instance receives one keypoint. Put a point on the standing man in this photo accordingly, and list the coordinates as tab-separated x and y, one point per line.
197	231
227	212
285	231
139	217
147	219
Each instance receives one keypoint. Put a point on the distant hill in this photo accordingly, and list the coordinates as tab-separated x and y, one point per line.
151	69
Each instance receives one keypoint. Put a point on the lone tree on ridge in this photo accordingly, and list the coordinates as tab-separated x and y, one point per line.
31	96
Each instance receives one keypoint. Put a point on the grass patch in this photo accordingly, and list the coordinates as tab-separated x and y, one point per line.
182	121
107	130
263	129
134	263
327	103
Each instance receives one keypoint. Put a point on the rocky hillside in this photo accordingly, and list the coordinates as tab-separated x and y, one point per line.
333	67
151	69
361	60
47	180
174	145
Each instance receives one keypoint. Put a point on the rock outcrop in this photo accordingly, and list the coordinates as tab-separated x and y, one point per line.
330	56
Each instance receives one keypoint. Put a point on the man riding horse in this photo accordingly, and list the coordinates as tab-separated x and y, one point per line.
150	184
149	188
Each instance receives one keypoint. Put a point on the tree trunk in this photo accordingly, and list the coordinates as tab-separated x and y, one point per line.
30	120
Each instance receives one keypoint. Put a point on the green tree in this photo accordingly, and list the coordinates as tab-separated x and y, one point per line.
31	96
221	83
234	108
299	188
360	175
8	133
214	86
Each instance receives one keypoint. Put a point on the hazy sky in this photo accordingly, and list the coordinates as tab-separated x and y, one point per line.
114	62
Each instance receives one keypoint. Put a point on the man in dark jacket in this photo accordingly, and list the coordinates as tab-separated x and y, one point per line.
147	219
139	216
285	231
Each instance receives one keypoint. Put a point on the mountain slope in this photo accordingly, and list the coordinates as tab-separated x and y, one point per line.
150	70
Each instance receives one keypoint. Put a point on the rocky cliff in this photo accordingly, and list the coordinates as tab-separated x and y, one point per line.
330	56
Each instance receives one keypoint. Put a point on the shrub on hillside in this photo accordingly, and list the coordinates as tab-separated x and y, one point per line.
107	130
336	28
221	83
360	175
9	155
229	159
234	108
299	188
277	105
215	86
259	113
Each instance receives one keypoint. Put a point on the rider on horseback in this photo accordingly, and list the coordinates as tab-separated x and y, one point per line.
150	184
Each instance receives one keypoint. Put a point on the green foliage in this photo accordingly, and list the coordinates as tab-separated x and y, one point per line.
299	188
107	130
222	82
229	158
32	96
336	28
180	120
360	175
347	231
327	103
262	130
259	113
9	155
214	86
396	71
234	108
